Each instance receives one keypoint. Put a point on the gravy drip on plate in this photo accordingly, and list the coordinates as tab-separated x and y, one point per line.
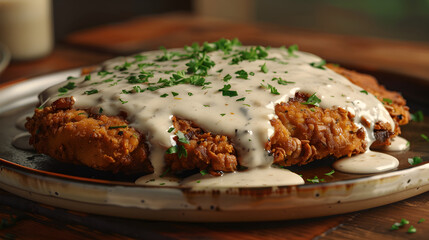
260	84
366	163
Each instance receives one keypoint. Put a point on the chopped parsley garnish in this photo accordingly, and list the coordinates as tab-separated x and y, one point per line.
242	74
312	100
200	64
387	100
426	138
204	172
227	78
87	78
417	116
222	114
123	67
330	173
139	57
181	137
100	111
316	180
291	50
167	55
281	81
220	70
319	65
164	95
170	129
412	229
272	89
103	73
206	105
164	173
174	93
138	89
90	92
251	73
415	160
121	126
421	220
190	94
364	91
122	101
71	77
252	54
227	92
241	99
68	86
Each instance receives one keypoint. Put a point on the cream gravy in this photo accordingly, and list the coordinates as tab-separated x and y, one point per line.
244	118
366	163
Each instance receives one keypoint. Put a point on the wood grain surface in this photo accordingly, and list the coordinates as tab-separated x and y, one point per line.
24	219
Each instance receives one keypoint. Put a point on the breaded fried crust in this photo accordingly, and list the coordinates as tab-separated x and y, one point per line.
302	134
97	141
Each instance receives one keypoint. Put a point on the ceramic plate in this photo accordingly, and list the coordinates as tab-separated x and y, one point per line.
42	179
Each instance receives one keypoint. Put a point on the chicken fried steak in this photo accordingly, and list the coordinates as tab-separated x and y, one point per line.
302	129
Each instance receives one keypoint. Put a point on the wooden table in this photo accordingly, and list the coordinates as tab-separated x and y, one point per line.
38	221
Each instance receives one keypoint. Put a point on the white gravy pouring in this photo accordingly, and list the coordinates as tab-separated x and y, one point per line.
257	177
244	118
397	144
366	163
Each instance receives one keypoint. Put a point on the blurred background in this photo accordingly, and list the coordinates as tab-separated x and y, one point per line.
392	35
397	19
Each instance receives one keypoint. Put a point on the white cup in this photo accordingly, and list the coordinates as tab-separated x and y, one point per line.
26	28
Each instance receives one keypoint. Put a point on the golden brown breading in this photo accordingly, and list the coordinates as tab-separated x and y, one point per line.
397	109
205	150
98	141
303	133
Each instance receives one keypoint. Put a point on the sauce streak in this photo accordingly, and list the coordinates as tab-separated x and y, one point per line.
366	163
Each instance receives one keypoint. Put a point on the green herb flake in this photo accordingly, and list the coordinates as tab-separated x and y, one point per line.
364	91
227	92
227	78
71	77
417	116
170	129
241	99
292	49
164	95
103	73
312	100
395	226
122	101
206	105
190	94
426	138
319	65
220	70
330	173
316	180
100	111
87	78
222	114
281	81
68	86
172	150
174	93
251	73
415	160
204	172
387	100
162	184
182	138
198	181
242	74
121	126
90	92
421	220
411	229
272	89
